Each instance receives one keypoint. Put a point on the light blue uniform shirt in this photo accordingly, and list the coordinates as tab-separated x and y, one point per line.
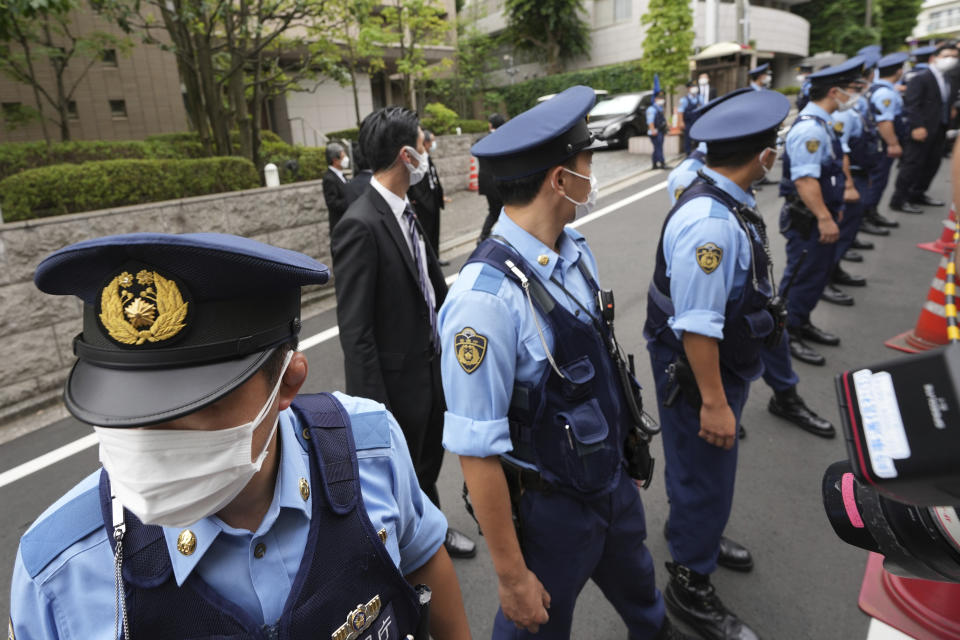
852	124
809	144
73	596
887	101
689	103
475	423
700	298
684	175
652	115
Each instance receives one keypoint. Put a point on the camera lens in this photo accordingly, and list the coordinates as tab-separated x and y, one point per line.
916	542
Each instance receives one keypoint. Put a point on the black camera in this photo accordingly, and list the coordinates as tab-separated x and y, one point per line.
898	494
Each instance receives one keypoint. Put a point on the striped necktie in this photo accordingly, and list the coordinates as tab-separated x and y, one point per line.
411	219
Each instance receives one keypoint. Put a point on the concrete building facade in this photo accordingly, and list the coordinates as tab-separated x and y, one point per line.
938	18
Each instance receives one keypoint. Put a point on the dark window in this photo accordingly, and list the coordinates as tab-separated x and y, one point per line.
72	110
109	57
10	108
118	108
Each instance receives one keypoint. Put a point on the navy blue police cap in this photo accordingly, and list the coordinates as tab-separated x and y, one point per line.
871	49
870	59
740	119
839	74
172	323
539	138
758	70
888	64
699	111
922	53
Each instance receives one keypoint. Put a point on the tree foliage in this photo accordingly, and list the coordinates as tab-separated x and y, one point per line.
897	20
410	25
552	31
839	25
669	41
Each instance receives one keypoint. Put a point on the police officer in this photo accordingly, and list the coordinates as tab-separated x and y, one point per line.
227	505
686	113
803	77
708	312
919	61
657	128
815	187
536	408
886	108
760	77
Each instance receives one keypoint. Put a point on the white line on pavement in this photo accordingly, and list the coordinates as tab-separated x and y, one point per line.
55	456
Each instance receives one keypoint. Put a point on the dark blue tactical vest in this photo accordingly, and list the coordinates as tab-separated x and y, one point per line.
659	120
866	150
900	127
746	319
803	98
831	179
698	155
346	575
571	428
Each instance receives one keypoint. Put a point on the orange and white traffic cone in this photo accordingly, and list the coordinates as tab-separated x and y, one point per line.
931	329
473	182
945	241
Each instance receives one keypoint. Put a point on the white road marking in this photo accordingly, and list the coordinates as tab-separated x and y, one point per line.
67	450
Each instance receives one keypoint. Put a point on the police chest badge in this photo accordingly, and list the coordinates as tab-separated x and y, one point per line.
358	620
813	145
708	257
470	348
142	307
838	127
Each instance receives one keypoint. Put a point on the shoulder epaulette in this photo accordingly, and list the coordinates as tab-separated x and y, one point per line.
53	535
488	280
370	430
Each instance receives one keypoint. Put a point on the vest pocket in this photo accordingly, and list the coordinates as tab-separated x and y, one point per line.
578	379
585	450
759	323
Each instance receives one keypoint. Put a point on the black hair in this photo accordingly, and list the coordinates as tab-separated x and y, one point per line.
522	191
496	120
691	83
334	149
744	152
274	364
819	91
950	44
385	132
359	160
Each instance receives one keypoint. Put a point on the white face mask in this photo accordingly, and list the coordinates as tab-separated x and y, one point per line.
763	166
176	477
584	208
849	102
703	81
945	64
416	172
694	90
345	162
660	102
801	78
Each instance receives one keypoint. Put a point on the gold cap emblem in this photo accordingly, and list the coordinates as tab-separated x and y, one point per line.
358	620
304	488
141	309
543	260
186	542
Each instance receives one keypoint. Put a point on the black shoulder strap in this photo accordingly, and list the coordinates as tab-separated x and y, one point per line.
331	443
496	254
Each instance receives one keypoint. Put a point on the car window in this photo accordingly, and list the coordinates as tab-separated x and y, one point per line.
616	106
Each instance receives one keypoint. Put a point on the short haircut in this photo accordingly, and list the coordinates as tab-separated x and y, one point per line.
820	91
272	367
946	45
334	149
522	191
359	160
745	151
427	135
496	120
385	132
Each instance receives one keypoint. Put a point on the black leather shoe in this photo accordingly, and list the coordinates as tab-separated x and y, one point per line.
801	351
871	229
459	545
691	598
862	245
851	280
670	632
835	296
905	207
443	263
851	256
790	406
814	334
734	556
881	220
927	201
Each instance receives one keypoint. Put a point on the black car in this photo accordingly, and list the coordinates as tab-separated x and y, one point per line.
620	117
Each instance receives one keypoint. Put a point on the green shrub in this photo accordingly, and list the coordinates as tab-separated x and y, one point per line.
311	161
439	119
69	188
16	157
346	134
625	77
473	126
789	91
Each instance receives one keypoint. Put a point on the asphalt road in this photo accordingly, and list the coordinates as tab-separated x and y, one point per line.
805	583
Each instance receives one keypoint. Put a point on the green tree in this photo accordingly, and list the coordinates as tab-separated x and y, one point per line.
553	31
410	25
474	59
897	20
838	25
668	43
36	36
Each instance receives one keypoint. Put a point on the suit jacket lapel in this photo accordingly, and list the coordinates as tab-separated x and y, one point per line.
395	232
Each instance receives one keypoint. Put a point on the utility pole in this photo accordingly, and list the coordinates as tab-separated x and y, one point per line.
869	15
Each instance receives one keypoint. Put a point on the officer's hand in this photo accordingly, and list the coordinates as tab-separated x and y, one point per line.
525	601
919	134
894	151
718	426
829	231
850	193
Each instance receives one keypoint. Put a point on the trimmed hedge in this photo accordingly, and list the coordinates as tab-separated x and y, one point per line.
70	188
20	156
311	162
345	134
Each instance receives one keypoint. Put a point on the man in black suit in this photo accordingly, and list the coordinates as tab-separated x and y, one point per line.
333	183
486	186
427	198
926	106
389	286
361	175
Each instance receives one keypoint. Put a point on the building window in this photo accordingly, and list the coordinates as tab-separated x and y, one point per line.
621	10
109	57
608	12
118	108
72	110
10	110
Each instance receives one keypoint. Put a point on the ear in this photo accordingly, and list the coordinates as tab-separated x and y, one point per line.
293	379
556	176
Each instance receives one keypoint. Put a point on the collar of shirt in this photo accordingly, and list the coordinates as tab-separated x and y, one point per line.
814	109
885	83
338	172
731	187
531	248
395	202
286	494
